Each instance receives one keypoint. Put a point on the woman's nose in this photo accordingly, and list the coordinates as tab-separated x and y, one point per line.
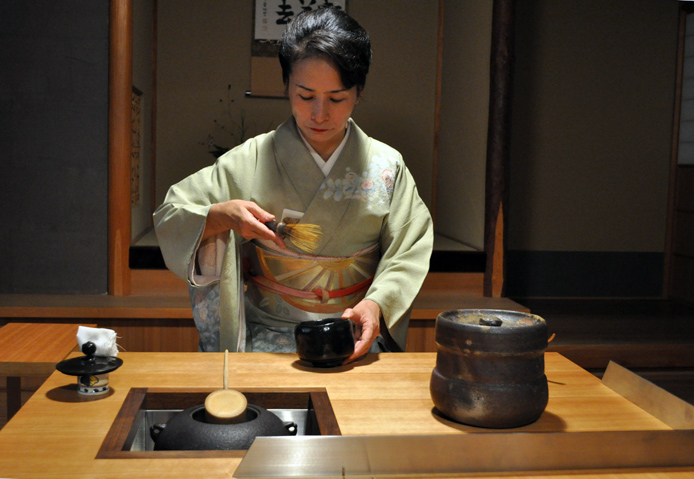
320	111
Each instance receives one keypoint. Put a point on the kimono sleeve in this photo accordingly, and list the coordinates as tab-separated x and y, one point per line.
180	221
406	241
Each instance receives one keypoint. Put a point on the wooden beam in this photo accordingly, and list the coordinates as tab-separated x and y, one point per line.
498	139
669	287
119	144
437	113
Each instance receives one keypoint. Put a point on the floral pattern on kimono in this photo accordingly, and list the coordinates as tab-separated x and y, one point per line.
352	185
205	303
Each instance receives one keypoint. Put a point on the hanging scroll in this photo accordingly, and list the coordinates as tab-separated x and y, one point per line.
271	19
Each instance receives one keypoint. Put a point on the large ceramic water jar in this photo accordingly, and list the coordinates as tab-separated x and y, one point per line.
490	369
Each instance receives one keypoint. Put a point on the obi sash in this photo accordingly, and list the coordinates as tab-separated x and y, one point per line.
289	287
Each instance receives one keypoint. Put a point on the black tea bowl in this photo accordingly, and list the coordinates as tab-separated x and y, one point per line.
324	343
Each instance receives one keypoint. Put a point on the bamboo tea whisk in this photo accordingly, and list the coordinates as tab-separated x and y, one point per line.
304	236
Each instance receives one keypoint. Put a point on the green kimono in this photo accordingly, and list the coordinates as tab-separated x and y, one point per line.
368	200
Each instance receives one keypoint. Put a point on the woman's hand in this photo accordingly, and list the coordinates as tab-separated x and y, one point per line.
367	315
245	217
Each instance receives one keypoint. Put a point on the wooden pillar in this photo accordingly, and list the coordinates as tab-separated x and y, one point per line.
669	284
119	144
437	113
498	136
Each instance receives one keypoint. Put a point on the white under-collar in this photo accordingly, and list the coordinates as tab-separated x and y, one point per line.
324	165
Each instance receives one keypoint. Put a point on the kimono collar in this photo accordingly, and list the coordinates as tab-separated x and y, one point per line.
326	165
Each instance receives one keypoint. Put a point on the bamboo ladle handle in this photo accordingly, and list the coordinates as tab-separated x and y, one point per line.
225	406
226	369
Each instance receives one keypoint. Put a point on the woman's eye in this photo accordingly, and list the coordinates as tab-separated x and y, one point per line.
306	98
337	100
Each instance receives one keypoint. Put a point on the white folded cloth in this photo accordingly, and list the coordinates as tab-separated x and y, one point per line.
104	339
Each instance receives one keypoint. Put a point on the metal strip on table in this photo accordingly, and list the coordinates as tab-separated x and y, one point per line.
357	456
656	401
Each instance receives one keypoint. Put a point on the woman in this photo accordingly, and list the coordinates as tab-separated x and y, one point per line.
317	168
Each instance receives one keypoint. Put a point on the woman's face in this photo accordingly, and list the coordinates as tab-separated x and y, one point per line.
320	103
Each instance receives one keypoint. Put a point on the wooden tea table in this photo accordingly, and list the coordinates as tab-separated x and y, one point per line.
59	434
32	350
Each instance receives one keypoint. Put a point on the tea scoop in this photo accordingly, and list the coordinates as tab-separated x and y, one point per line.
225	406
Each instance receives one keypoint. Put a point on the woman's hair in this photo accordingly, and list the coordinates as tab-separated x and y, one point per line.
331	34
